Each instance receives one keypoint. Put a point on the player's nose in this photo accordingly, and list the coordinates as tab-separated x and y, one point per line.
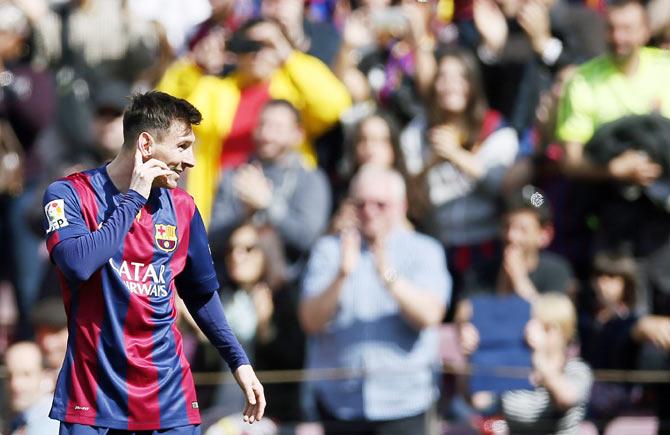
189	158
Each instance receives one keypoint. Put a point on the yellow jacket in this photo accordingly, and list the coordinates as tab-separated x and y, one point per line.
180	78
303	80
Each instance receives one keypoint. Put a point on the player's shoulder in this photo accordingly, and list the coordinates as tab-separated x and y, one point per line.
71	183
181	198
180	194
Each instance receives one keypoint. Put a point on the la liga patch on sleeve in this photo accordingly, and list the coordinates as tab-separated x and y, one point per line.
55	211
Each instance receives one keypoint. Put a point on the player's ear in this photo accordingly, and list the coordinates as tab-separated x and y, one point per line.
145	143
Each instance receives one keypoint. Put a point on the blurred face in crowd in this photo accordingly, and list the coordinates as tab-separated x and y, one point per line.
610	289
53	343
25	375
244	259
277	132
374	143
261	64
522	228
452	86
380	205
174	148
210	52
627	30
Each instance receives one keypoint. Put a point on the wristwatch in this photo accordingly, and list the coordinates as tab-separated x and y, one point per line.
390	276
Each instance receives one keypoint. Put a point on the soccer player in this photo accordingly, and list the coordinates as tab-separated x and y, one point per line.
124	239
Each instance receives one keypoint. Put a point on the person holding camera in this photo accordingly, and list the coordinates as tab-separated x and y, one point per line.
386	56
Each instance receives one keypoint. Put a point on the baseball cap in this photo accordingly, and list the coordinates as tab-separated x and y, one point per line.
239	43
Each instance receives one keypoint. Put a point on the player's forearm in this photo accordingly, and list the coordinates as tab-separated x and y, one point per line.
79	257
207	311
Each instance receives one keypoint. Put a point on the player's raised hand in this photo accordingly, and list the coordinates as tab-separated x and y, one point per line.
144	174
254	397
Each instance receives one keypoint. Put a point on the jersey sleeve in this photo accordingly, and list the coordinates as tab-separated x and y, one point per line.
199	275
63	218
73	247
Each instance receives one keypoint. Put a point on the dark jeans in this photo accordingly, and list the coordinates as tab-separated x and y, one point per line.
416	425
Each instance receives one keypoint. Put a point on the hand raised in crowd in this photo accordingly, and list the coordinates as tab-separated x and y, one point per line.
654	330
144	174
288	15
345	217
491	24
415	17
254	396
634	166
468	338
445	141
545	362
514	264
271	35
467	333
384	268
261	295
533	17
252	188
357	31
350	250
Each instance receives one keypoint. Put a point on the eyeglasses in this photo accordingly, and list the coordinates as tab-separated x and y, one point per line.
376	204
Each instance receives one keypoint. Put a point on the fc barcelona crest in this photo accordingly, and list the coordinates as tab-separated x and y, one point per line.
166	237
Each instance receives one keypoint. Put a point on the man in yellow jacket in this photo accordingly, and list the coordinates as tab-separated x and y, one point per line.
268	67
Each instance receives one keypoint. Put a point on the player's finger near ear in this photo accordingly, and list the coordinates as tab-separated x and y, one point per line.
157	163
138	157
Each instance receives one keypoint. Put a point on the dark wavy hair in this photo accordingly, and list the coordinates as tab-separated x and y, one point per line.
619	264
274	261
154	112
477	105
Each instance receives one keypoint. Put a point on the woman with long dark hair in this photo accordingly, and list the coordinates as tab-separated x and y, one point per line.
460	150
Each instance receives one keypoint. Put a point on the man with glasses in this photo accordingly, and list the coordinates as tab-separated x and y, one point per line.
371	300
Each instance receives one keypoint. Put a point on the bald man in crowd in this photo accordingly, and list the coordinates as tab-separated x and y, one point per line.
372	299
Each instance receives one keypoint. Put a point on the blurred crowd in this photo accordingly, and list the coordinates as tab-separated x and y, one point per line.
374	176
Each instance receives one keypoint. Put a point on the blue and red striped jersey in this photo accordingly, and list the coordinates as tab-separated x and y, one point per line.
125	366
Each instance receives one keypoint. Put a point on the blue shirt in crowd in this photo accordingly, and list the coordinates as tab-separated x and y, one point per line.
369	334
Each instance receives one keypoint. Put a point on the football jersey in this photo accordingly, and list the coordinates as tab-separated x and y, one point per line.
125	366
